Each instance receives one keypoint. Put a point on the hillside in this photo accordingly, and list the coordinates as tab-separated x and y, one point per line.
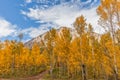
38	39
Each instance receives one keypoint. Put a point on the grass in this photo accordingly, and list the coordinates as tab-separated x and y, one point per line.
23	72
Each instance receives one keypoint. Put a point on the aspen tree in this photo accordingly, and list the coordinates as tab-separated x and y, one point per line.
66	39
80	25
50	42
91	43
74	60
106	10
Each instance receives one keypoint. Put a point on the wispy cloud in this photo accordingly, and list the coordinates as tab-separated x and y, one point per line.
63	14
35	31
28	1
6	28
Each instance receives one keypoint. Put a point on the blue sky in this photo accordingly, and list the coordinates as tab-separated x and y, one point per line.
35	17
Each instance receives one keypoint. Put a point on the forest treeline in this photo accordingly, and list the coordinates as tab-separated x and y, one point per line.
84	57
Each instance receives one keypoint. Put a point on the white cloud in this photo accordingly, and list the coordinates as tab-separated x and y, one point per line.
28	1
6	28
33	32
62	15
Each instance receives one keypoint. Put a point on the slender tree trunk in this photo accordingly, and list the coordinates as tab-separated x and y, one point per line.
114	56
84	72
93	56
51	64
117	13
113	43
13	64
83	67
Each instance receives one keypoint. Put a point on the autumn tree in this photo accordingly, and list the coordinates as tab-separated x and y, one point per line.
50	42
80	25
91	44
107	11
